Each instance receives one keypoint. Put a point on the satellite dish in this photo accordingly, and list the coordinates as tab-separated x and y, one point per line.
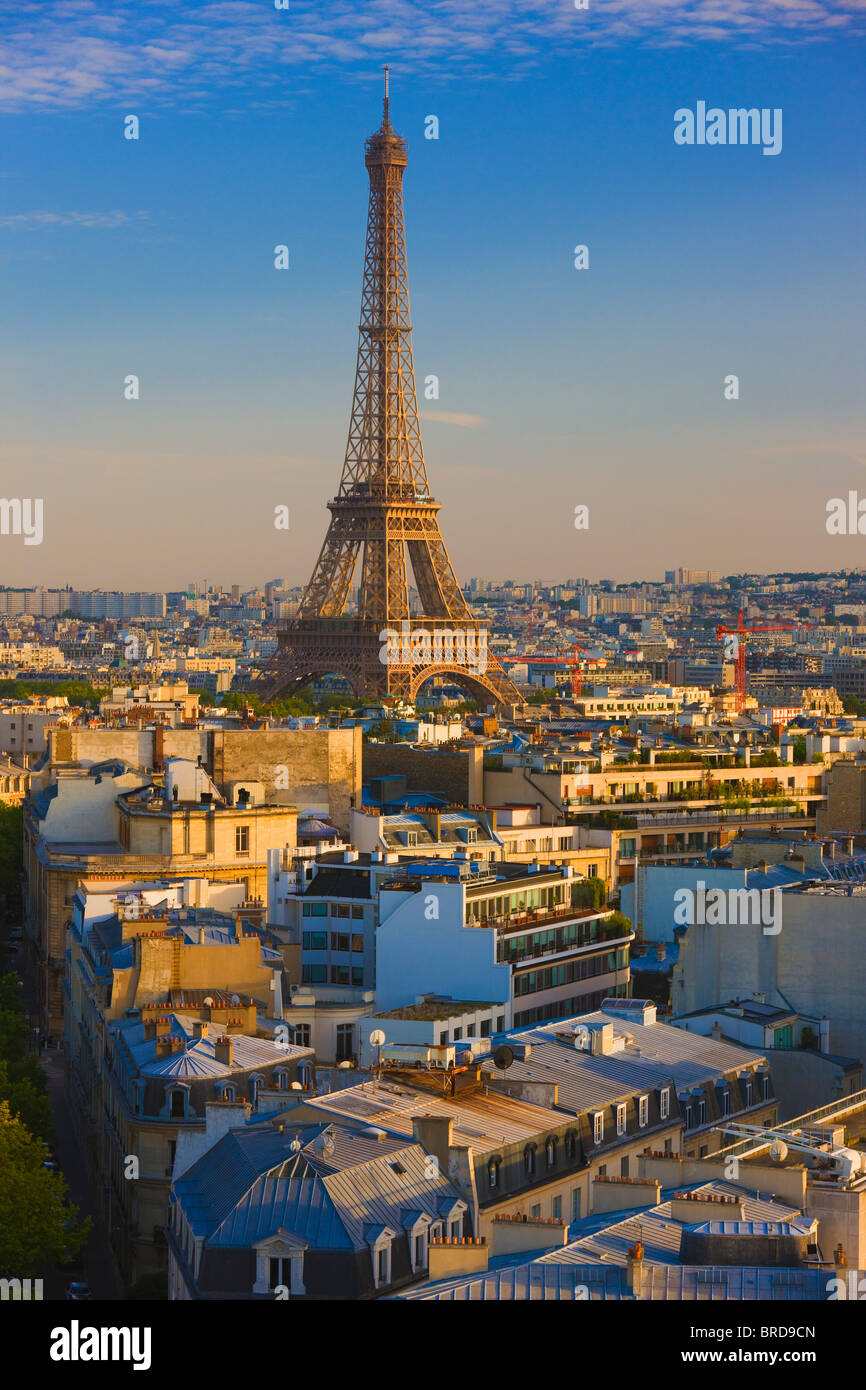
377	1038
778	1151
295	1145
208	1001
503	1057
581	1037
236	999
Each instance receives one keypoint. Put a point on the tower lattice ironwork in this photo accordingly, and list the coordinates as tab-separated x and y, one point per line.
384	513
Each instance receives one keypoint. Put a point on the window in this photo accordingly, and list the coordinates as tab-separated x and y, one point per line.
281	1077
643	1111
702	1151
602	1170
339	941
529	1160
592	871
726	1102
470	1030
575	1204
382	1265
178	1105
500	1023
314	910
623	1167
620	1119
357	975
557	1208
242	839
456	1229
493	1173
340	910
598	1127
570	1145
358	912
357	944
665	1102
550	1149
687	1117
340	974
315	940
314	974
535	1212
345	1041
485	1027
301	1034
765	1087
748	1089
420	1251
458	1034
669	1146
702	1112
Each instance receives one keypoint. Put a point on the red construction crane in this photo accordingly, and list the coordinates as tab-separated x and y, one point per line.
556	660
735	639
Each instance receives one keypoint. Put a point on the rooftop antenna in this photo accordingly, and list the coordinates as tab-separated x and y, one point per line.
385	120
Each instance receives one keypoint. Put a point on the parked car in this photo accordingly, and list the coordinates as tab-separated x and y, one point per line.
79	1293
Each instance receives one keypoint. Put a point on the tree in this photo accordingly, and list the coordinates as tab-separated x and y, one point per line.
11	856
22	1085
37	1222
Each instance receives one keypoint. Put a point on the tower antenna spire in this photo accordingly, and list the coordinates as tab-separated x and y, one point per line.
386	104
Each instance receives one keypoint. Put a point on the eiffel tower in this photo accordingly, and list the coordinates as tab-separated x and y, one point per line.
384	512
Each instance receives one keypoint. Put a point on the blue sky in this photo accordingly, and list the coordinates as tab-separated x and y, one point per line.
557	387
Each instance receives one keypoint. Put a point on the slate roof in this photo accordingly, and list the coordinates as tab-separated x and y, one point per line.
656	1055
253	1183
598	1261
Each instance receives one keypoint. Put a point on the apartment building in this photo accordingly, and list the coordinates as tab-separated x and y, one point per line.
110	819
168	1008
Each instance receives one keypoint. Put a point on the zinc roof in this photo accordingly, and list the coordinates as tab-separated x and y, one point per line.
484	1121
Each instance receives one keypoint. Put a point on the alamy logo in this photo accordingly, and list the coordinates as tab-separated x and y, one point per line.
444	646
738	126
735	907
22	516
27	1289
76	1343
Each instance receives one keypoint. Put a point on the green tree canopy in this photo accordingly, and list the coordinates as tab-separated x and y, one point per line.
37	1222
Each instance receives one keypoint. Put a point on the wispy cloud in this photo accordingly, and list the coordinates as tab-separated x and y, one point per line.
454	417
45	218
96	51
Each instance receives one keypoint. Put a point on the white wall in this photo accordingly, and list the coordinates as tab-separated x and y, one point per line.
418	954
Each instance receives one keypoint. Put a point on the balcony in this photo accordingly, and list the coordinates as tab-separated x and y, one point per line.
534	917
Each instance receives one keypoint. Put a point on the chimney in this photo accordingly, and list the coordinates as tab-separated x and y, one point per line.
200	1028
434	1133
222	1050
634	1269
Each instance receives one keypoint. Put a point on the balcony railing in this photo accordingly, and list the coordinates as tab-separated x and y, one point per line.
534	917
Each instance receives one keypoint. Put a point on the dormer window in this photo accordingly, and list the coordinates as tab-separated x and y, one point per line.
550	1149
493	1173
529	1160
620	1119
598	1127
665	1102
643	1111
